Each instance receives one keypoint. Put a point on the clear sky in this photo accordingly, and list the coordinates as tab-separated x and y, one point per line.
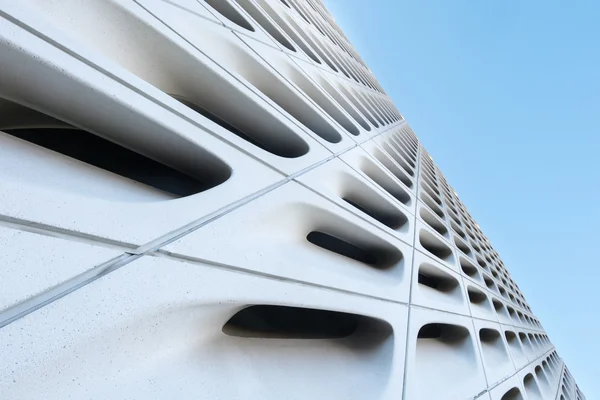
505	96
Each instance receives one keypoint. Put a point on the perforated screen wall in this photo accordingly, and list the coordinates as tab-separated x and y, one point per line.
215	199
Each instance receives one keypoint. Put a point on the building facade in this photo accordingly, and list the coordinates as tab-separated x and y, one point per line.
215	199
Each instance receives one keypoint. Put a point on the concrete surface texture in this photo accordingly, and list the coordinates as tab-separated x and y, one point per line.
215	199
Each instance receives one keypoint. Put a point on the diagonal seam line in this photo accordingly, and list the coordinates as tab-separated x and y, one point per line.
89	276
246	271
57	292
62	233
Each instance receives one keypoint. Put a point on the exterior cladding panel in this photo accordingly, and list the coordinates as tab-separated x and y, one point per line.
216	199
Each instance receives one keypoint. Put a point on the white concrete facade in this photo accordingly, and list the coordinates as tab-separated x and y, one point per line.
215	199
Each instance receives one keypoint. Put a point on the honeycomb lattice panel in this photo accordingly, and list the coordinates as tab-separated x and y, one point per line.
216	199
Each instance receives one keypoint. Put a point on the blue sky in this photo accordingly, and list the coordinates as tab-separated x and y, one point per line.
504	96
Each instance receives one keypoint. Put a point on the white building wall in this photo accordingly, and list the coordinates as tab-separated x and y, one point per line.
235	159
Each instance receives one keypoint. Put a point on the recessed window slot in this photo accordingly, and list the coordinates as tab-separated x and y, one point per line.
435	246
252	10
392	220
281	322
512	394
468	268
387	183
393	168
477	297
431	204
377	257
433	221
462	246
228	11
435	279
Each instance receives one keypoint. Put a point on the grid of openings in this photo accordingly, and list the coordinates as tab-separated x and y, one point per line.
217	197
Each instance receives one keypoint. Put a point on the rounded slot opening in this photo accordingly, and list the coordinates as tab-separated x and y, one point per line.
375	256
224	8
275	16
273	144
434	278
462	246
477	296
392	167
433	221
378	176
153	57
432	205
468	268
512	394
444	353
267	25
435	246
343	102
313	92
398	158
117	165
359	106
365	199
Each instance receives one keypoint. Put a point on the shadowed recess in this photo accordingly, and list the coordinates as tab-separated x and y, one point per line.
476	296
381	258
391	220
512	394
228	11
435	246
436	279
443	332
290	149
290	323
285	322
254	12
101	153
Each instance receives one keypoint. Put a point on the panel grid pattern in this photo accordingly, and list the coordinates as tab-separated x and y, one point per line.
217	199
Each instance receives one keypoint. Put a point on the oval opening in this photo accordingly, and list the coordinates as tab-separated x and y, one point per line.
449	334
374	256
384	181
432	205
392	167
342	101
274	145
362	98
174	70
431	190
405	153
444	353
315	45
101	153
457	229
359	106
477	296
393	220
468	268
281	322
363	334
433	221
257	15
287	29
512	394
315	94
498	306
103	167
228	11
398	158
427	188
436	279
435	246
462	246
